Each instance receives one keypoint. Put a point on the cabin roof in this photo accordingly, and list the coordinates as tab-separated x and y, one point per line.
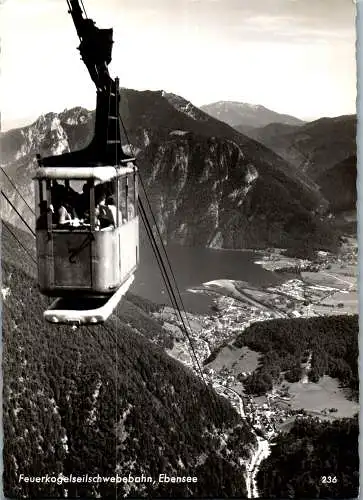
102	174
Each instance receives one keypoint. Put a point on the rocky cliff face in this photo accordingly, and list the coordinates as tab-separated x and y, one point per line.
50	134
206	192
209	184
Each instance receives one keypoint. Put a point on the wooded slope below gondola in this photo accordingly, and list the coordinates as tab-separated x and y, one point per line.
99	400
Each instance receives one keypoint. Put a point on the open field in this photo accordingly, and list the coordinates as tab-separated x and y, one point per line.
328	279
274	261
344	280
342	269
236	360
349	299
323	395
286	425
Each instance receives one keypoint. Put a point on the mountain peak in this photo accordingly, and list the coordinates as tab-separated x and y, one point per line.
246	114
185	106
226	104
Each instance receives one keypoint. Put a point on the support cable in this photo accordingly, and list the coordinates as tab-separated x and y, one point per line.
158	231
85	13
165	252
17	190
18	213
158	256
168	284
166	256
211	393
117	145
20	243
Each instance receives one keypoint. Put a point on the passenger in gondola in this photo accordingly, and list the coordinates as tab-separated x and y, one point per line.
71	197
57	192
130	210
42	221
64	217
82	203
111	205
104	216
70	205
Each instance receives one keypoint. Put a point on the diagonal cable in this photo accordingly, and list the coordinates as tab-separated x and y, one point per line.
17	190
18	213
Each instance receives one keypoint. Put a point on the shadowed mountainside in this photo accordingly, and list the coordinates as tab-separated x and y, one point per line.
324	150
313	147
339	184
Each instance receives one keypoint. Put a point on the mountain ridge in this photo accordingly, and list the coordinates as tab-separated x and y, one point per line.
242	114
249	184
321	143
324	150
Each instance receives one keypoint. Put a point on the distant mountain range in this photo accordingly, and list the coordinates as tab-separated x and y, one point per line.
244	116
313	147
324	149
209	184
106	400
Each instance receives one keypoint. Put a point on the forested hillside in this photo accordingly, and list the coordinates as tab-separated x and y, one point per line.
105	399
313	460
286	343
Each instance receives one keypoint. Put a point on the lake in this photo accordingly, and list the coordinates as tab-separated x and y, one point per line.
194	266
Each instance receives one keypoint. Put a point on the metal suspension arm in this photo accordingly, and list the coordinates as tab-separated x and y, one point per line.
95	48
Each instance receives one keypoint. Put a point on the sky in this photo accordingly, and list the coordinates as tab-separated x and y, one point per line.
292	56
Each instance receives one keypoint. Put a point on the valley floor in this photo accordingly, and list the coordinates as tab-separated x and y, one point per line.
326	287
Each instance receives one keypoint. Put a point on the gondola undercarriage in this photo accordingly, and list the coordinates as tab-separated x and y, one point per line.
85	309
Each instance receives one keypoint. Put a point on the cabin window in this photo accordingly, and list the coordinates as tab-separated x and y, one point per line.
131	201
70	199
105	202
127	197
63	203
122	199
136	183
86	204
43	206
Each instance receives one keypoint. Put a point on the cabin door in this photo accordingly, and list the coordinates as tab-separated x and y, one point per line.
72	256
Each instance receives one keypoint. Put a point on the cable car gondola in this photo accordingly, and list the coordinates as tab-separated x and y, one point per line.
87	227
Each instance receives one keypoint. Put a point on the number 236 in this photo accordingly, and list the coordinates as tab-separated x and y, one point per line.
329	479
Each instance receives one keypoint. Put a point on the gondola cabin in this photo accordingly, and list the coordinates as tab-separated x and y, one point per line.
87	237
